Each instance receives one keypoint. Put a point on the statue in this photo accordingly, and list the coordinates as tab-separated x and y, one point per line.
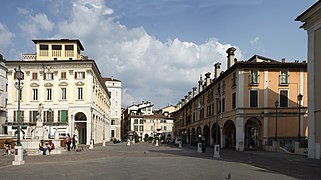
39	116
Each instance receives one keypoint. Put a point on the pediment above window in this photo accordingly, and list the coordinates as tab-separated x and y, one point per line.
79	83
48	84
63	84
34	85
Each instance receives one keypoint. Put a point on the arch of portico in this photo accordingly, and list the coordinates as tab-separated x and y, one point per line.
253	133
214	128
80	125
193	137
229	134
206	134
188	139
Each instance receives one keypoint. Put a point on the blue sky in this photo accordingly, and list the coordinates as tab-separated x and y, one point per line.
158	48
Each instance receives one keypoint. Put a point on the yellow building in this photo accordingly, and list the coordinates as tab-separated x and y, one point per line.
312	24
253	102
66	85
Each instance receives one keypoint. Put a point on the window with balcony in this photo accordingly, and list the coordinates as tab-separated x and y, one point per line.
34	76
69	50
34	94
62	114
284	77
43	50
56	50
284	98
254	77
49	116
253	98
15	116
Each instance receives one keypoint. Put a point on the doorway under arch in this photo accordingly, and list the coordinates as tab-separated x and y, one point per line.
80	120
229	133
252	133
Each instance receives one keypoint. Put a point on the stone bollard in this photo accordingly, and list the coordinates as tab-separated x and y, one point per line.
216	151
199	147
128	142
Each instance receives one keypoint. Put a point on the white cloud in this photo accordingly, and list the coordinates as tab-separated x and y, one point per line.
6	38
148	68
35	26
254	41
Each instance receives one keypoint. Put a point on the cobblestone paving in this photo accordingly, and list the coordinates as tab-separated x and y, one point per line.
146	161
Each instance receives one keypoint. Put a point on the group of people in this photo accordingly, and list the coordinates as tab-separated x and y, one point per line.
7	148
43	147
71	143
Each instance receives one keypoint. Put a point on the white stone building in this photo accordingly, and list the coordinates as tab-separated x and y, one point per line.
69	88
3	95
114	88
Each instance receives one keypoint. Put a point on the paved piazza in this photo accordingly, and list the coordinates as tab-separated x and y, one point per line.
145	161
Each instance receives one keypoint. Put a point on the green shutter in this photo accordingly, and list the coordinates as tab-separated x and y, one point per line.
63	115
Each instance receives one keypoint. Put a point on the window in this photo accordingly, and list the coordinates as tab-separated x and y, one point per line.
49	116
135	128
253	98
63	75
234	79
141	121
79	75
62	114
152	128
254	77
112	122
223	104
283	98
35	94
141	128
15	116
48	76
63	93
284	77
49	94
80	93
44	47
33	116
69	47
233	100
165	128
135	121
34	76
56	47
112	133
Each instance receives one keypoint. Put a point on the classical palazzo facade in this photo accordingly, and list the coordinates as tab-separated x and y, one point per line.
237	108
66	85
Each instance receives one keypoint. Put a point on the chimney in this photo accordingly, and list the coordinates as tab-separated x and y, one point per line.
194	91
186	99
200	85
283	60
230	57
183	102
217	70
189	95
208	78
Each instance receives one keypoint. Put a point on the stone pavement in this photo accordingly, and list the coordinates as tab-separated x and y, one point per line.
145	161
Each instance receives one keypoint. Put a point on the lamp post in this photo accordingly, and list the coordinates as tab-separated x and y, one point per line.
50	122
276	103
18	159
300	96
217	146
91	146
104	140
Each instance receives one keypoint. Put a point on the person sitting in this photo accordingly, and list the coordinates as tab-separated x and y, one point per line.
6	148
51	146
42	147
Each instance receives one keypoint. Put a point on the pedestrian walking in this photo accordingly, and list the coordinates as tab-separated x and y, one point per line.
74	142
68	141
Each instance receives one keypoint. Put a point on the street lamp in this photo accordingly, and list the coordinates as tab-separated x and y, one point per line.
276	103
50	122
91	146
300	96
18	159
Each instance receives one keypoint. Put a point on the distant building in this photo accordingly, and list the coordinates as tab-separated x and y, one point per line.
3	95
312	24
68	87
114	88
251	104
